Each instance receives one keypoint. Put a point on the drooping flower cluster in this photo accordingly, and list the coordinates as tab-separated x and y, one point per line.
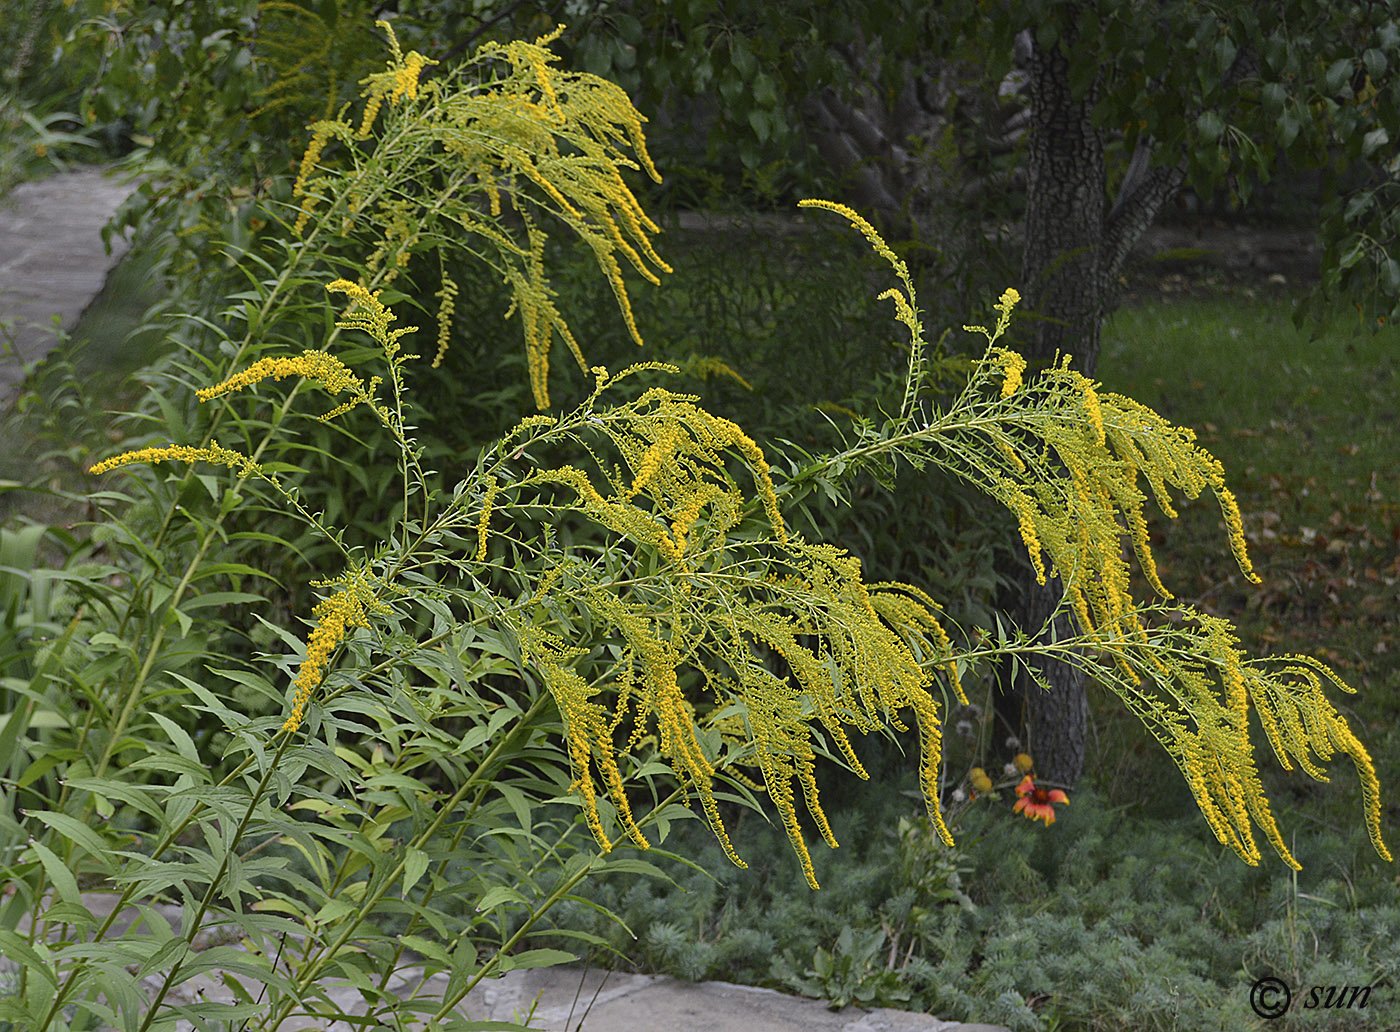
841	652
1075	466
336	615
539	138
330	372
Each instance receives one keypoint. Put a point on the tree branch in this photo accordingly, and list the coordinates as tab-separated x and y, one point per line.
1144	191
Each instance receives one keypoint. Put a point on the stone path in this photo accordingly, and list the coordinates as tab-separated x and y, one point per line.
557	999
52	262
569	999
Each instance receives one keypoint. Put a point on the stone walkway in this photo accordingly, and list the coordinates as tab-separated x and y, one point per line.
52	262
557	999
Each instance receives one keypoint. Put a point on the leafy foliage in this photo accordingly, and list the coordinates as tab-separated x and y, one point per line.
1116	919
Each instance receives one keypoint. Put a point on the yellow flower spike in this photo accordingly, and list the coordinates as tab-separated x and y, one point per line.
1137	527
903	311
447	305
320	134
1234	524
877	242
585	729
336	616
406	78
330	372
538	58
483	524
213	452
368	315
1016	499
1093	409
1013	365
373	103
654	458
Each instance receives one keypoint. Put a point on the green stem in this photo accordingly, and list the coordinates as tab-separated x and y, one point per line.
152	654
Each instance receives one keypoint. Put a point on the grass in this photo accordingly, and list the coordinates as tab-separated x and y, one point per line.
1304	427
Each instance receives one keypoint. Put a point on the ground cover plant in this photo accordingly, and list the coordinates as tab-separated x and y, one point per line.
1131	915
604	603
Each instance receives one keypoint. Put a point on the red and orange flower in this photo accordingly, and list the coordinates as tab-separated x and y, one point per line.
1038	803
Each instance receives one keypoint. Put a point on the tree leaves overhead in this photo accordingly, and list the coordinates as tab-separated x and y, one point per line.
1235	92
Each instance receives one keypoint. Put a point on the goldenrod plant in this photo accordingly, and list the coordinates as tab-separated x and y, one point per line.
528	678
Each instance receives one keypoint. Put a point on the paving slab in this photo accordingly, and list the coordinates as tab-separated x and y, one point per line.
575	999
52	262
603	1002
567	998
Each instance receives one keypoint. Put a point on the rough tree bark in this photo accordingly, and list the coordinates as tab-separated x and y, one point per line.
1061	273
1073	254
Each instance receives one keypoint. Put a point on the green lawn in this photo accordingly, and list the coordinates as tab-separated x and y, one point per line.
1306	430
63	416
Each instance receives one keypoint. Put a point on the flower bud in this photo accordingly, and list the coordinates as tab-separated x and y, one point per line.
977	777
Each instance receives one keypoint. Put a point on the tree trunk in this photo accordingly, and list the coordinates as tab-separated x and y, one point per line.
1073	255
1062	269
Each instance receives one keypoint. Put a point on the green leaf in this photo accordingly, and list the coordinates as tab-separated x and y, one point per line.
415	863
428	948
1375	65
184	745
15	724
1210	125
75	831
220	598
518	802
14	947
1224	54
498	896
743	60
1273	96
67	913
59	874
167	955
1390	272
628	28
1338	72
1353	255
759	123
536	959
765	91
1373	141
